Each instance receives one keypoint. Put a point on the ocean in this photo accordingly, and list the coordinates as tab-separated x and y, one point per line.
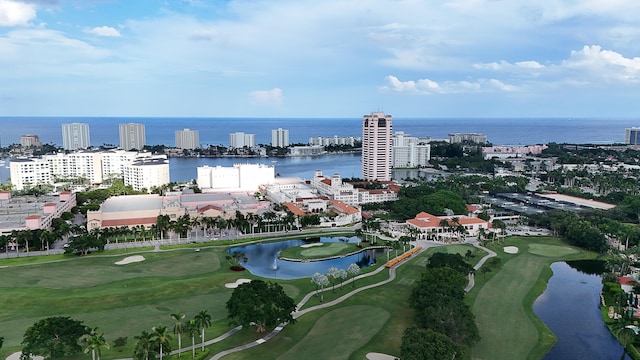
215	131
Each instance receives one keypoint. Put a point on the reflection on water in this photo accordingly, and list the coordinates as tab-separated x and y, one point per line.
263	259
569	307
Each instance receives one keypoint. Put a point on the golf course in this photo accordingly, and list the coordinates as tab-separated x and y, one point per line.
123	300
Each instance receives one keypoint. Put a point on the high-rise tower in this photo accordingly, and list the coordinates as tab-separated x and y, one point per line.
132	136
187	139
75	136
376	146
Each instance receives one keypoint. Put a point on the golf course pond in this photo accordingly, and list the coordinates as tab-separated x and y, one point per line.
569	307
263	258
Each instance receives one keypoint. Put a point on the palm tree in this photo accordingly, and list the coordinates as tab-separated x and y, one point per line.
94	343
203	321
162	223
161	338
178	328
143	346
192	330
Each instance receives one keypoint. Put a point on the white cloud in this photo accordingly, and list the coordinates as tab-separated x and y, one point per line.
267	97
105	31
427	86
14	13
604	64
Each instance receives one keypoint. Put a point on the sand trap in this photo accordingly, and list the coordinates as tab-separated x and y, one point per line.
379	356
310	245
234	285
16	356
130	259
510	249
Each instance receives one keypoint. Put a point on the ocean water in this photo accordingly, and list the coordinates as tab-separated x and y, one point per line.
215	131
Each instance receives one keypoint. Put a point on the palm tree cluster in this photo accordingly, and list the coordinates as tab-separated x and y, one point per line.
157	343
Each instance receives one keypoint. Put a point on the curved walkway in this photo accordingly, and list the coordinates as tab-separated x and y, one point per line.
297	314
490	254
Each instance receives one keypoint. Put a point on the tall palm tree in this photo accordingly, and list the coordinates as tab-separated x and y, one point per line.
178	328
143	349
161	338
94	342
203	321
192	330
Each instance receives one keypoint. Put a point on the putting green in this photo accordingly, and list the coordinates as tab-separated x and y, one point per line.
551	250
327	249
363	322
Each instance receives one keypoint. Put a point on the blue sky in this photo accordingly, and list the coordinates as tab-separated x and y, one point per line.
329	58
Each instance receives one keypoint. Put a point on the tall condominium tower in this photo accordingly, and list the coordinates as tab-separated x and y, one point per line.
75	136
376	146
30	140
240	140
279	138
187	139
132	136
632	136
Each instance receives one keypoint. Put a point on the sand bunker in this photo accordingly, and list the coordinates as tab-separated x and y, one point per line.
16	356
379	356
130	259
510	249
310	245
234	285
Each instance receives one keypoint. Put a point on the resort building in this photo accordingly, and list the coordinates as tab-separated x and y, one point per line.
240	177
146	173
187	139
447	227
75	136
334	188
279	138
26	173
31	212
30	141
129	210
409	151
376	146
240	140
503	152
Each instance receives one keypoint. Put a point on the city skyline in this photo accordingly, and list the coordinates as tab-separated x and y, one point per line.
333	58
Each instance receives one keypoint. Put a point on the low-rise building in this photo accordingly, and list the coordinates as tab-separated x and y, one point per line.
446	227
239	177
32	213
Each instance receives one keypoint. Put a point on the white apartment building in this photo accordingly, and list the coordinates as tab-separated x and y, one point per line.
30	140
279	138
409	151
240	177
95	166
471	137
132	136
376	146
75	136
187	139
334	140
306	150
240	140
27	173
335	189
147	173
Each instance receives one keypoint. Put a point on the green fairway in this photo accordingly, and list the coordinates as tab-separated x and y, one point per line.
508	327
319	251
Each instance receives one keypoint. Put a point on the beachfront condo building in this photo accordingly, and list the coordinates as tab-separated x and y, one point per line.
280	138
132	136
632	136
30	141
240	140
75	136
409	151
187	139
376	146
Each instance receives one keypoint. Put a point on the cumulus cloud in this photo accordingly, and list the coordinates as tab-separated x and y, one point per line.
105	31
507	66
267	97
605	64
427	86
14	13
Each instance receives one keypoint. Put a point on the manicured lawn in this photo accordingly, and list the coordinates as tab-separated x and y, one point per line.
503	303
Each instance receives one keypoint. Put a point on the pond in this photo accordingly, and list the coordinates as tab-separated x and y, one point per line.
569	307
263	259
